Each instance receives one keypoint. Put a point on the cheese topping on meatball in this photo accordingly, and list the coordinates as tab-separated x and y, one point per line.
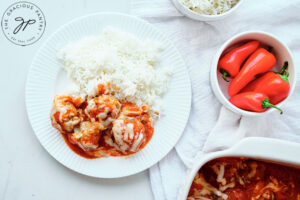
87	136
64	115
129	135
104	109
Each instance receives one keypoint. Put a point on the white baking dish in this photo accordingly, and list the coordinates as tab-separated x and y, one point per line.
264	149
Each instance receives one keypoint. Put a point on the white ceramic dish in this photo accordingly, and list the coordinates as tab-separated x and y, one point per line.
201	17
282	54
265	149
46	77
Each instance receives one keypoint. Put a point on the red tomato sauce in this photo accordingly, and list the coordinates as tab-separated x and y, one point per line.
78	114
75	148
105	148
245	179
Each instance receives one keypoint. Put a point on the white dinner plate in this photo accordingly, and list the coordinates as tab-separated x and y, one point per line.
43	83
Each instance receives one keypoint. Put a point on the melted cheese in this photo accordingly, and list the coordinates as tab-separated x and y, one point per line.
253	166
207	188
125	136
225	187
105	107
67	118
219	169
87	136
274	185
137	142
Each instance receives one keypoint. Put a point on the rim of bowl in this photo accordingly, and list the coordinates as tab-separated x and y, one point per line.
203	17
215	83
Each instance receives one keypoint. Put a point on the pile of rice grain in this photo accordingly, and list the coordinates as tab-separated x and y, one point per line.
126	62
209	7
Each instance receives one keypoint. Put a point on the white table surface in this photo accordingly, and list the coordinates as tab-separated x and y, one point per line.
27	171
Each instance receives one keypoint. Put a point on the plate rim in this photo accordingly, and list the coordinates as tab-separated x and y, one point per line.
189	98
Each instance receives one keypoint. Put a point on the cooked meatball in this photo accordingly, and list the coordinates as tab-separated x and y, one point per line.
64	115
87	136
128	134
104	109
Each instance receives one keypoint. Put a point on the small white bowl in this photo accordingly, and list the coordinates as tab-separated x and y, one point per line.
202	17
254	147
281	52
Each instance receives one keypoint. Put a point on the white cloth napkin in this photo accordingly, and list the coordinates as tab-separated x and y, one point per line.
212	127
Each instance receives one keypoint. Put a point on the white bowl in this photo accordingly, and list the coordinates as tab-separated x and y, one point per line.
281	52
256	148
202	17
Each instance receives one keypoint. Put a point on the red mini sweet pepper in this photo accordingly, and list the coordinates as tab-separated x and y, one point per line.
259	62
229	64
275	85
252	101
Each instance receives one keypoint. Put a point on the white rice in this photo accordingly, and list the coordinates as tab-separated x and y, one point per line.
129	64
209	7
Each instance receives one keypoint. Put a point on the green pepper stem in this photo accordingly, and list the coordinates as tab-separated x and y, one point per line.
283	69
285	77
286	73
225	73
267	104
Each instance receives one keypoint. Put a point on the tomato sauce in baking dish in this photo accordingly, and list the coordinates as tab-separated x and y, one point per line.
101	125
245	179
